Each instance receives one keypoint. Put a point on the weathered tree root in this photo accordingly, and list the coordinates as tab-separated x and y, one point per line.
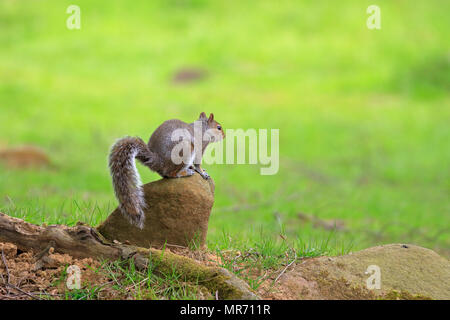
83	241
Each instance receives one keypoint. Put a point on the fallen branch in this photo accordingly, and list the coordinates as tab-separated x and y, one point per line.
83	241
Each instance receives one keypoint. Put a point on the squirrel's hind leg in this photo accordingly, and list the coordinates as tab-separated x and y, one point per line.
202	172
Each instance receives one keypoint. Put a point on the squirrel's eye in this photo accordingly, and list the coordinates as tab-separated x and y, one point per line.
219	127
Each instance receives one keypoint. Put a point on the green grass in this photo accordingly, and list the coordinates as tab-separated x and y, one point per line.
121	280
128	281
363	115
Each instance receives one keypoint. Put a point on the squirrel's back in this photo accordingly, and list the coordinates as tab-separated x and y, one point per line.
161	140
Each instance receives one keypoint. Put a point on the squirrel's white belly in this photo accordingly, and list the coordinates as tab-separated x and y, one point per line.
191	160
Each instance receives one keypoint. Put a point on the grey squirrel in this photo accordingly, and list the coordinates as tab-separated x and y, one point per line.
157	155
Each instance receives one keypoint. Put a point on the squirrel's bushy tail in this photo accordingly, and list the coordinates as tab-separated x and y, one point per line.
126	179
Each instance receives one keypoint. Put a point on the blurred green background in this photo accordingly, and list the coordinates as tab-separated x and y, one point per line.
363	114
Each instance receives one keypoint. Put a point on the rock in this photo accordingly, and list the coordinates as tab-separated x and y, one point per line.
177	214
407	272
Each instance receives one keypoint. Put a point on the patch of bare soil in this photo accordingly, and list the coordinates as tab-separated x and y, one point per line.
188	75
333	224
290	286
307	281
24	157
26	275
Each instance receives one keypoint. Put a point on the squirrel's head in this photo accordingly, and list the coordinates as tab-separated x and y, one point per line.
214	129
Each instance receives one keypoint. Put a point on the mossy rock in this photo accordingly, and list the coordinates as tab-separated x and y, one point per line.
407	272
177	213
404	268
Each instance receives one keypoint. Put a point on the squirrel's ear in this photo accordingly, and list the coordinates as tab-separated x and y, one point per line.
211	117
202	115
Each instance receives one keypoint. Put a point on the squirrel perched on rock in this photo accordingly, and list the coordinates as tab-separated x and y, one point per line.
161	155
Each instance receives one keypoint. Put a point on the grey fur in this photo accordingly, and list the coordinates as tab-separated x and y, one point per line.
157	157
126	179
